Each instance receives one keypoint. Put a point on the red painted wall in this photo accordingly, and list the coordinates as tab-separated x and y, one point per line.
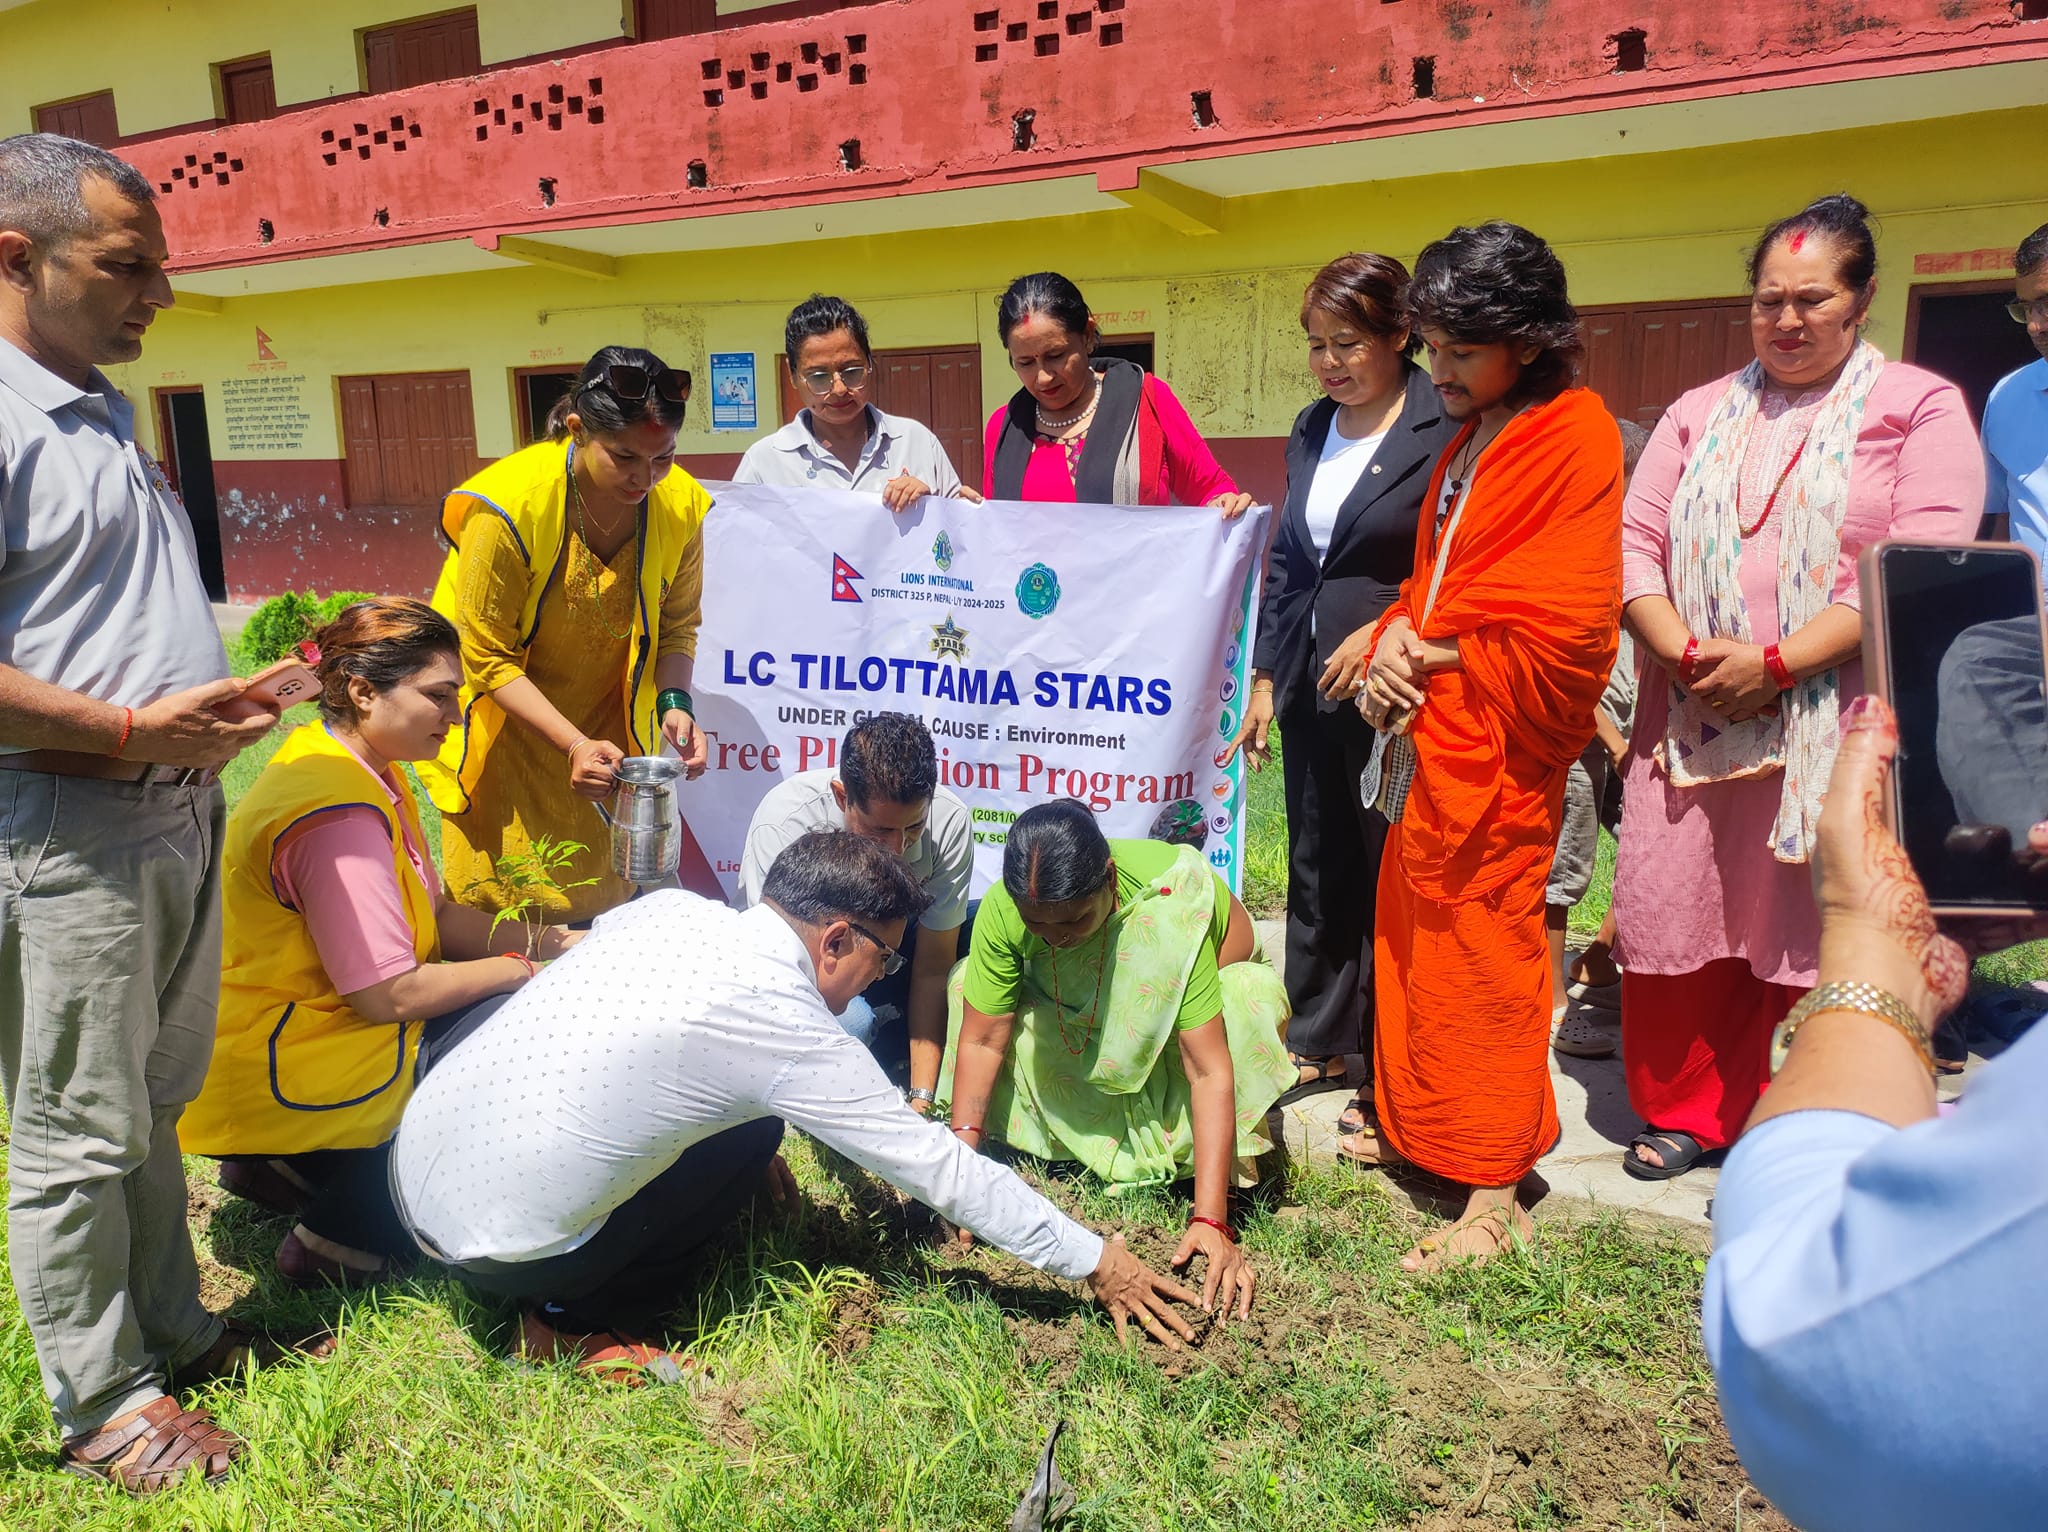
286	526
935	94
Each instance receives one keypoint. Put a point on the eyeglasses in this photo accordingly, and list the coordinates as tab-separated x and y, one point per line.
892	960
630	381
2022	312
819	379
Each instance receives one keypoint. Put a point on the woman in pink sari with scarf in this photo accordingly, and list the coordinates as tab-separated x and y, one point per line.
1739	546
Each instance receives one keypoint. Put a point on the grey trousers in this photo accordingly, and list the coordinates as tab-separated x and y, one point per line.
109	987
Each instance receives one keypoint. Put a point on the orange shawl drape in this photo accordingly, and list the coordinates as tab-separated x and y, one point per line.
1532	593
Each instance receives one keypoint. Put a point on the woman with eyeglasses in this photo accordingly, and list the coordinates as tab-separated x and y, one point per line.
1115	1010
1107	433
839	440
574	579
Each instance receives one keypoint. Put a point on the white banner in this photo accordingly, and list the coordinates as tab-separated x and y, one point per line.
1093	652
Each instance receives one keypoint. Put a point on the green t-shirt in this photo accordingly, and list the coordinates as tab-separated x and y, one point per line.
1004	952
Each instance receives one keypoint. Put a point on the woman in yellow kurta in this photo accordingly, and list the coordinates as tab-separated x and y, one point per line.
574	580
341	952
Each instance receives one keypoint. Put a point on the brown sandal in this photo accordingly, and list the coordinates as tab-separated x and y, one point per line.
237	1350
158	1446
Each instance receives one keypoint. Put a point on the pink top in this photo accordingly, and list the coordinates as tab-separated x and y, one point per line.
1193	476
336	870
1695	880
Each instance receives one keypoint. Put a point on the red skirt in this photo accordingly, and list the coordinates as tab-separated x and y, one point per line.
1696	1047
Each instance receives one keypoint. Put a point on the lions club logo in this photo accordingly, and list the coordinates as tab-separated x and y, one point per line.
1038	591
942	552
949	639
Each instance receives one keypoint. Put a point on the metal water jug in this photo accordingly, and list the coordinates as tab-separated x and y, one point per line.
647	835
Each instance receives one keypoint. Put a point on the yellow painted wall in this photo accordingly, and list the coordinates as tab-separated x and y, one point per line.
158	57
1223	307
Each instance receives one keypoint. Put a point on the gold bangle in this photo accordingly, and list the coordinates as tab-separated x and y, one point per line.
1862	999
1261	686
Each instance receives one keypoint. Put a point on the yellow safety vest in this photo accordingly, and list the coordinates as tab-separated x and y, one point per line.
529	489
294	1069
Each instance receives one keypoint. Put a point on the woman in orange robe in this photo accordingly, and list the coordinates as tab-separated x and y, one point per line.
1493	659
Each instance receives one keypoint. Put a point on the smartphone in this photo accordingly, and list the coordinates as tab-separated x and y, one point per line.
1953	638
282	684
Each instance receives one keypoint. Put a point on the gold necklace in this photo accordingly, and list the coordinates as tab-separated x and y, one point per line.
599	567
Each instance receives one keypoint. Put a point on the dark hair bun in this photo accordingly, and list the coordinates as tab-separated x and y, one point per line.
1841	220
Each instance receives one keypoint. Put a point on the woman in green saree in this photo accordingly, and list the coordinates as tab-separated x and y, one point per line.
1087	960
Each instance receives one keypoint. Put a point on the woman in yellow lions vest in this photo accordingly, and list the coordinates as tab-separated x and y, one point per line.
341	950
574	580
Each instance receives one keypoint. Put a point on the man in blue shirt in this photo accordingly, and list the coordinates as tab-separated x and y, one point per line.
2016	418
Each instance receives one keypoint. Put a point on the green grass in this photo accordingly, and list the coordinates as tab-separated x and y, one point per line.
855	1378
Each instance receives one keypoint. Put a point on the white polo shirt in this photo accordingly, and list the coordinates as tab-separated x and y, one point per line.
793	459
100	590
674	1019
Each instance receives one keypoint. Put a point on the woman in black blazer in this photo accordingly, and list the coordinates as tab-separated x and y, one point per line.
1358	465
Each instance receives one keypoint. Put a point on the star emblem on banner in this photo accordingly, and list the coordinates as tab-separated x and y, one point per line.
949	639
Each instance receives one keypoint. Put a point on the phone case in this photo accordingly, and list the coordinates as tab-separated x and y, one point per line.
284	683
1877	679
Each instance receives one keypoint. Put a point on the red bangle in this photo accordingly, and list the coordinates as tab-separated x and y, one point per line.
1781	673
1688	659
1215	1223
127	728
532	967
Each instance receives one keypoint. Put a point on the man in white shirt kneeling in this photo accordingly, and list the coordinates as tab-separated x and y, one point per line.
577	1147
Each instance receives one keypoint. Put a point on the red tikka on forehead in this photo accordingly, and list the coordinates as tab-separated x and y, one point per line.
1797	238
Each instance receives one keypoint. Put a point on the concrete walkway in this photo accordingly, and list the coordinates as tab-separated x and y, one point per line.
1592	1109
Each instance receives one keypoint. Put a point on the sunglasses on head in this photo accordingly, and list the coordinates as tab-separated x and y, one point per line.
631	382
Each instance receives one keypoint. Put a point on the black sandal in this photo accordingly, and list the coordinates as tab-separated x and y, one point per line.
1680	1152
1331	1073
1357	1117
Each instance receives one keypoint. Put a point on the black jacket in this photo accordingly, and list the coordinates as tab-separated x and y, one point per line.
1372	547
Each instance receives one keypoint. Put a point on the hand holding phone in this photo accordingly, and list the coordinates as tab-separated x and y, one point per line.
1954	640
282	684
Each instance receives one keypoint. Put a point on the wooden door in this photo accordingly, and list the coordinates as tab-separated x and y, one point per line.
248	90
89	118
656	19
421	52
941	387
407	438
1640	357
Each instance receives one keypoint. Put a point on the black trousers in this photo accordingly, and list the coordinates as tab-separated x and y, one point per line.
627	1274
1334	844
351	1201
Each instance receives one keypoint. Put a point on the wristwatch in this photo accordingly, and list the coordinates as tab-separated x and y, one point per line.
919	1093
1865	1000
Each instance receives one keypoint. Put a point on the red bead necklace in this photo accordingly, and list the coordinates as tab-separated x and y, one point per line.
1095	1006
1797	453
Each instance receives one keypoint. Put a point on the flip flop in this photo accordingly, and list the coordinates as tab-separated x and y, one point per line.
1667	1142
1332	1073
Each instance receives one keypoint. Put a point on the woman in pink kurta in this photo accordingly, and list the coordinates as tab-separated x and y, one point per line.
1739	545
1105	433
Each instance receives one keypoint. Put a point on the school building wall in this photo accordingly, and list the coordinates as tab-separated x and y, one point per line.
1952	197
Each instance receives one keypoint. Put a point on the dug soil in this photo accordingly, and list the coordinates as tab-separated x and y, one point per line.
1595	1452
